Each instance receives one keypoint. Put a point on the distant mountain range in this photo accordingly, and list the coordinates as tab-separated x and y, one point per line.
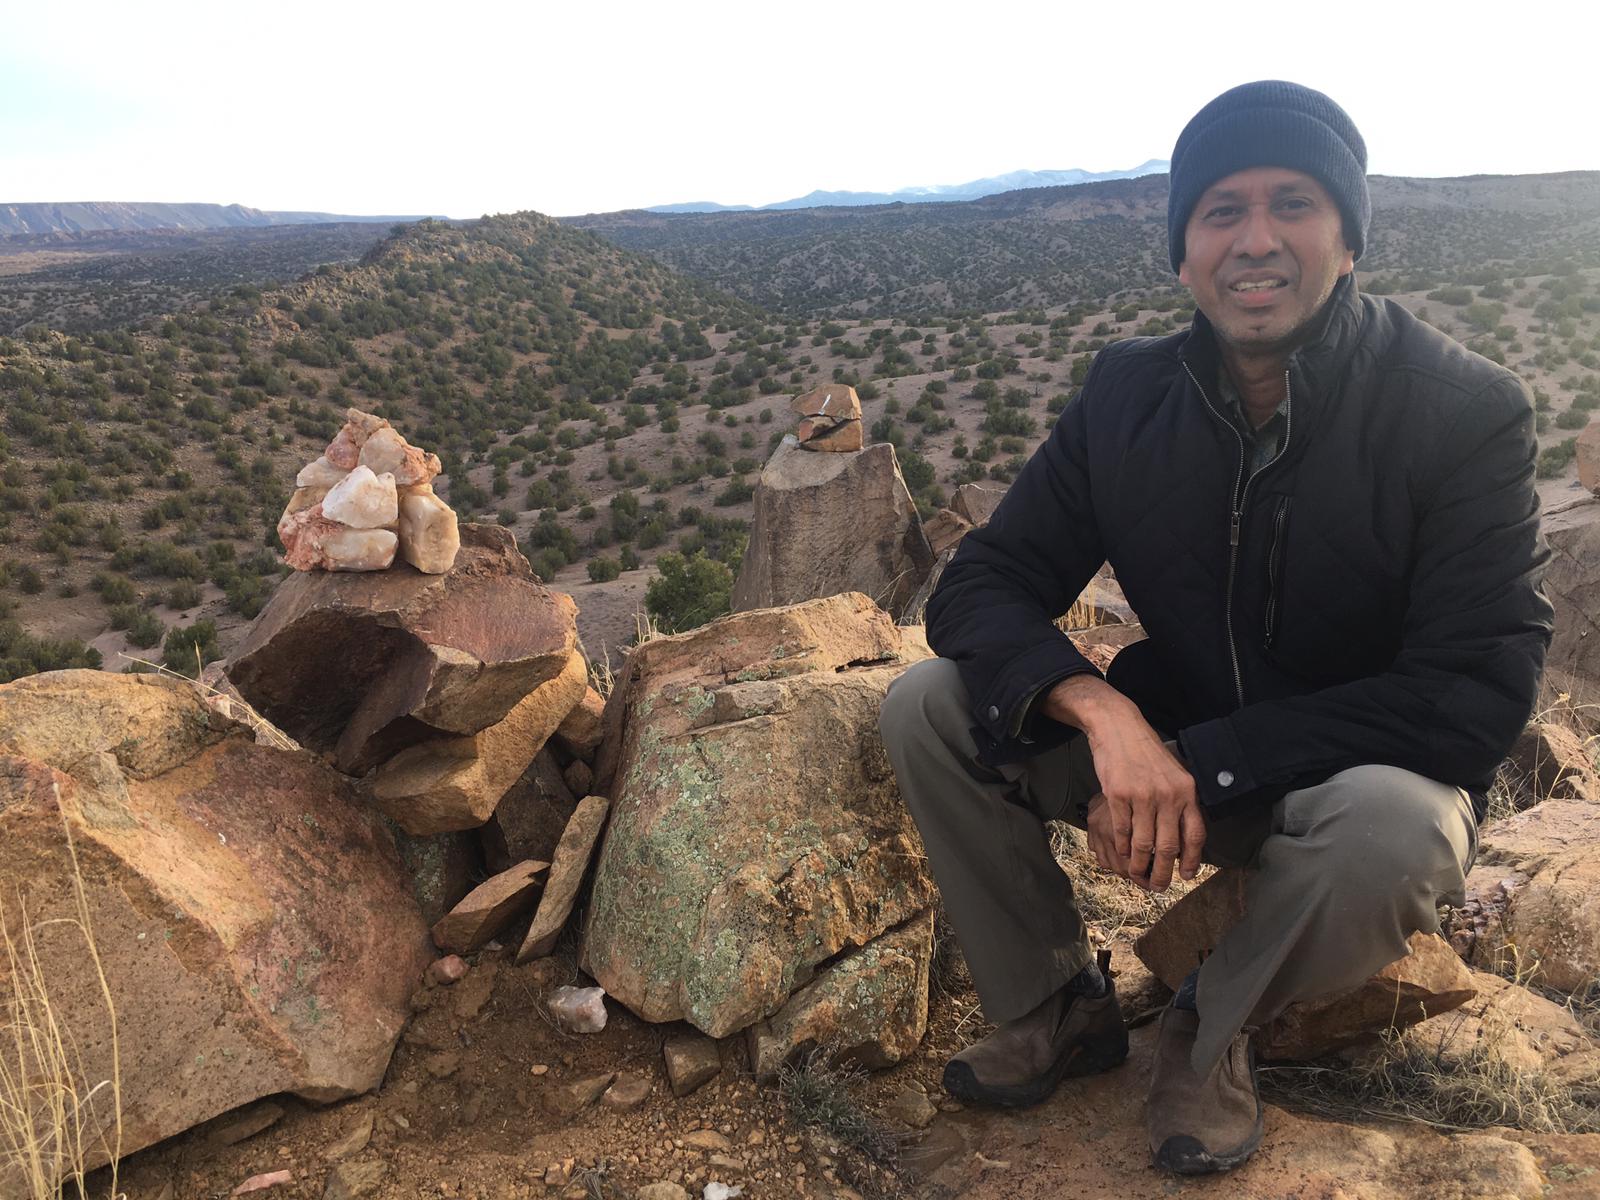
95	216
1011	181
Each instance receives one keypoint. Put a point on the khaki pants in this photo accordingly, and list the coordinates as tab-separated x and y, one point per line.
1343	872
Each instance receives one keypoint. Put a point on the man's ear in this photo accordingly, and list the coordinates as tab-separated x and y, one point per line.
1183	272
1346	264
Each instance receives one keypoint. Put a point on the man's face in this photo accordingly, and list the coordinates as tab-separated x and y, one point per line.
1262	251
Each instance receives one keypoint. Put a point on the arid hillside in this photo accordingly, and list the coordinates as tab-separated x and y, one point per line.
608	409
1055	246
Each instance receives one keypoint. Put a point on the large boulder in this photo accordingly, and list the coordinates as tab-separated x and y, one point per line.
362	665
756	831
832	523
255	928
1533	899
1428	981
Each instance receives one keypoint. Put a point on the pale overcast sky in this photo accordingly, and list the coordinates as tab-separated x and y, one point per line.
472	107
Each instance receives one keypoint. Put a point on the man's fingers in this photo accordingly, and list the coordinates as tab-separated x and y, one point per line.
1194	840
1141	841
1167	842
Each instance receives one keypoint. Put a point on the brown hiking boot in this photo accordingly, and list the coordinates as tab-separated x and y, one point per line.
1022	1061
1201	1125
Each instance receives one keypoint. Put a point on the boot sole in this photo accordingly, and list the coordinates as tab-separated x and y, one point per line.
1084	1058
1186	1156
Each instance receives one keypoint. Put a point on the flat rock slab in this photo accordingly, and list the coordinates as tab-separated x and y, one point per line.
756	829
257	931
489	908
455	783
691	1062
360	665
531	816
567	870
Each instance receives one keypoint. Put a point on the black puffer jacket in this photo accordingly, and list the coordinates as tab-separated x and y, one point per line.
1371	596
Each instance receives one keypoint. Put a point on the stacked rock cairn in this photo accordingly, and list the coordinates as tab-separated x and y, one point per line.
368	498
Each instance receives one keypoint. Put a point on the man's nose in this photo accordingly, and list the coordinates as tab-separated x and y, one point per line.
1257	235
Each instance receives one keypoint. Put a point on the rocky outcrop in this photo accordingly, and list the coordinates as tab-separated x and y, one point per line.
363	665
255	928
1430	980
832	523
869	1009
1572	582
1588	447
1533	899
756	831
1550	760
489	908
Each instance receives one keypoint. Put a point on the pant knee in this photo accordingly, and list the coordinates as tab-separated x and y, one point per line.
926	698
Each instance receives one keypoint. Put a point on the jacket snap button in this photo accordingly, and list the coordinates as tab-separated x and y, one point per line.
1224	778
994	713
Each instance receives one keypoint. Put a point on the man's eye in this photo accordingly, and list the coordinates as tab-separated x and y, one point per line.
1221	211
1294	203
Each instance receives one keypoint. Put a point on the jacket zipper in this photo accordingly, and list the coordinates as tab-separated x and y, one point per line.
1241	492
1272	570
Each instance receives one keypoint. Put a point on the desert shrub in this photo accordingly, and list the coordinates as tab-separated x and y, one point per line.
603	570
688	592
189	647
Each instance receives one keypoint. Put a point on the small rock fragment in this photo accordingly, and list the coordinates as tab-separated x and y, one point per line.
345	449
572	1098
353	1142
350	1181
578	777
912	1108
245	1123
580	731
708	1139
447	970
720	1191
579	1010
363	500
430	535
626	1093
260	1183
313	542
661	1190
691	1061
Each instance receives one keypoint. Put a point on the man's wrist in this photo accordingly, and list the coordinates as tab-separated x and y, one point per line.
1085	702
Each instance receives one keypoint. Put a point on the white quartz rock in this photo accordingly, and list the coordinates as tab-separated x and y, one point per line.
320	474
579	1010
359	550
363	500
429	536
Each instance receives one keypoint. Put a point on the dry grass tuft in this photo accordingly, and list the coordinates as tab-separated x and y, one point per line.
49	1123
1105	901
817	1093
1476	1089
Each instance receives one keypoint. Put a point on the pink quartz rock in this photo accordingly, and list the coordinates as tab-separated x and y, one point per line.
345	449
260	1183
363	500
387	451
312	542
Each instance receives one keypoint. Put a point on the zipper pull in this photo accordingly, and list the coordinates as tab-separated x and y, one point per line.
1233	529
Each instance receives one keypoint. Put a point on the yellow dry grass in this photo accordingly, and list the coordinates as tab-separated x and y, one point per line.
53	1119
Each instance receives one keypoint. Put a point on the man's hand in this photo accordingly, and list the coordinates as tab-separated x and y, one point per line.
1146	816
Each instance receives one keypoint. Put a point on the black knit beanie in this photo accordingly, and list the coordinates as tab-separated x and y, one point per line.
1270	124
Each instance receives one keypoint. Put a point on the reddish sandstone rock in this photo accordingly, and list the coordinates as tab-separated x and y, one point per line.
455	783
489	908
580	732
530	818
256	930
362	665
567	870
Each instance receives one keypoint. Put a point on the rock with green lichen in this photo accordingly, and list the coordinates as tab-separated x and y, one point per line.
756	830
869	1009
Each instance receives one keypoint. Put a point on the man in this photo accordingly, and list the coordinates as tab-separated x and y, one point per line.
1323	512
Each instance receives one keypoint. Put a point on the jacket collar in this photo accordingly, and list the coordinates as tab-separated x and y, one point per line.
1336	331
